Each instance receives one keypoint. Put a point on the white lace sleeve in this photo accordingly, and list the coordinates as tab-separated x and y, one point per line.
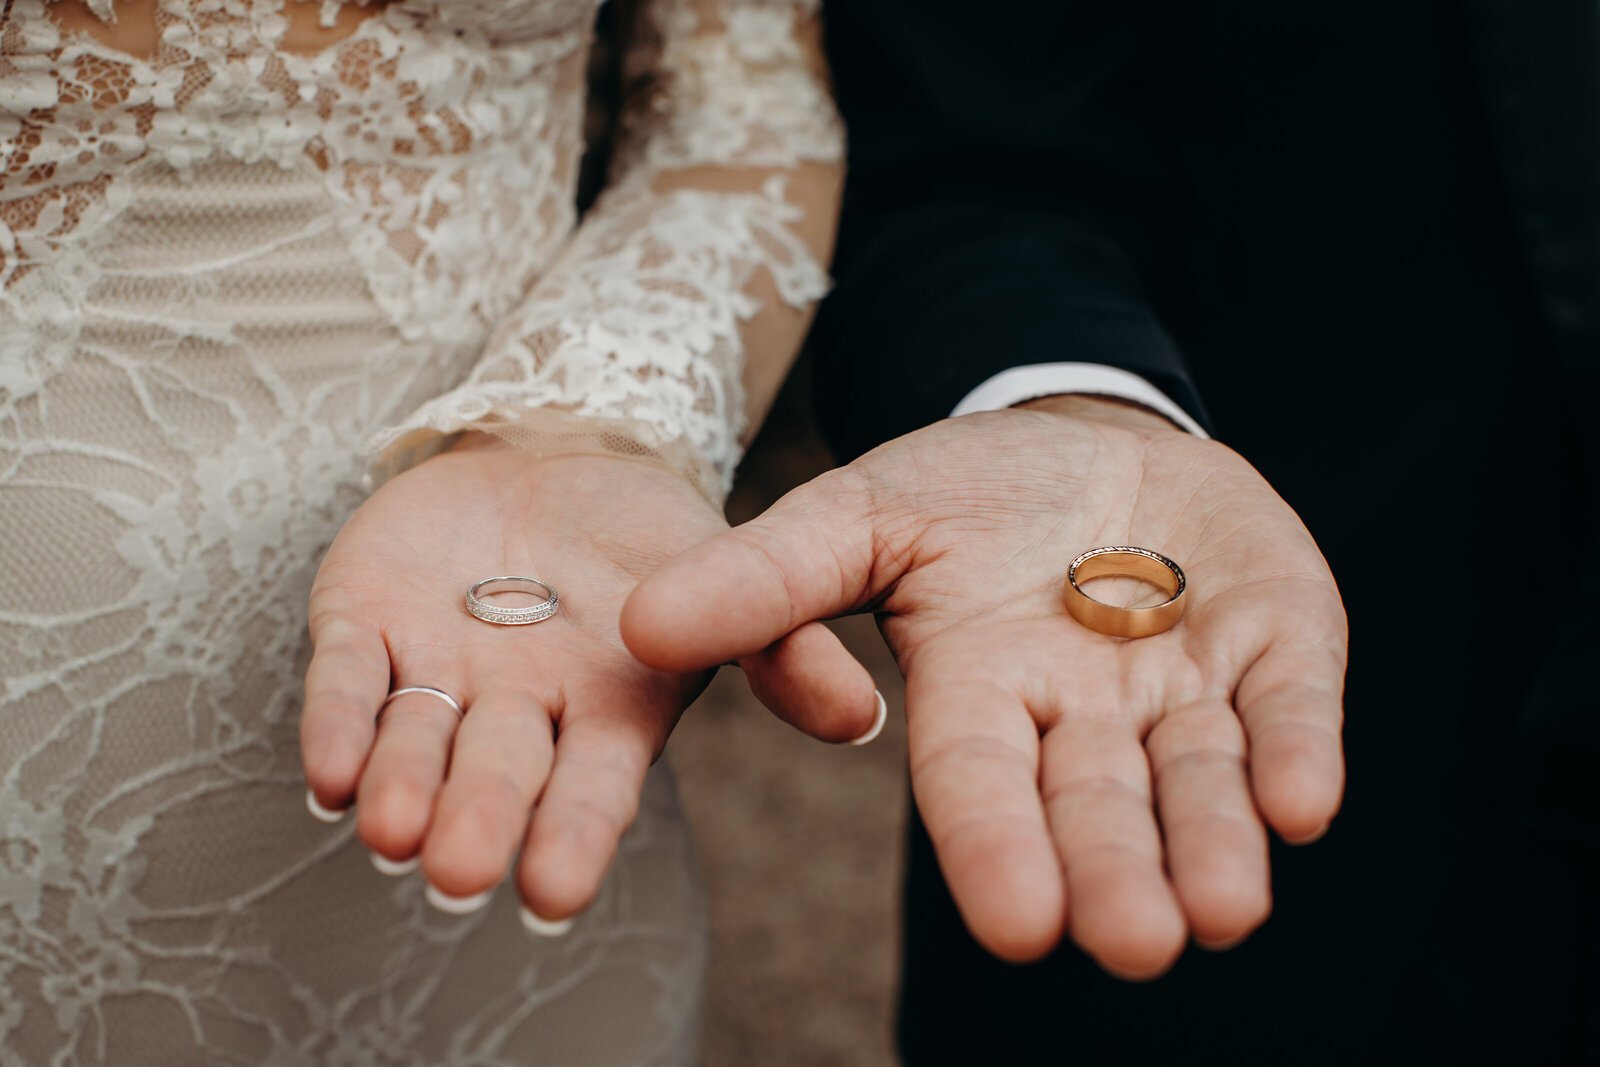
631	342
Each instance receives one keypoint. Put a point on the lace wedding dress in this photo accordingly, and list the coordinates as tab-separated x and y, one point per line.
229	274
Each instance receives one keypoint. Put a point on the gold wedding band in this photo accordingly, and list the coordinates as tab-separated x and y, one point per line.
1125	561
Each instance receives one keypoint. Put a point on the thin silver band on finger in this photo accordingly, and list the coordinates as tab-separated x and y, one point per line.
513	616
440	693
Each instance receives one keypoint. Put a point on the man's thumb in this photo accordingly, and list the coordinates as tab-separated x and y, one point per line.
809	557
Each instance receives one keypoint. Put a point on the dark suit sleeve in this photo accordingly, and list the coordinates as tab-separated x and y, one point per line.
1001	206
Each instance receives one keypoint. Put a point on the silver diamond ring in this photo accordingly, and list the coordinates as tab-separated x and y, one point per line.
512	616
440	693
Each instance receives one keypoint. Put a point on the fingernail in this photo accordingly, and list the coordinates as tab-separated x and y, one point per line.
457	905
877	723
395	868
544	927
1315	835
324	814
1220	946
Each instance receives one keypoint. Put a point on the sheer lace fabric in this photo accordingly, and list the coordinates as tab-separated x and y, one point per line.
225	270
639	319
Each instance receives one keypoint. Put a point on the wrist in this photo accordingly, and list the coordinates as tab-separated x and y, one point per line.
1098	407
584	479
478	441
572	457
547	434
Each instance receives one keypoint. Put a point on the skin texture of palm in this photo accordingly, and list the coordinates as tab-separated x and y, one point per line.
561	721
1117	791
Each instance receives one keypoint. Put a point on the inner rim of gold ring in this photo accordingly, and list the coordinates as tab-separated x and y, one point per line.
1123	564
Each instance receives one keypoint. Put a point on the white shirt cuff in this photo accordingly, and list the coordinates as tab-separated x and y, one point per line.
1011	387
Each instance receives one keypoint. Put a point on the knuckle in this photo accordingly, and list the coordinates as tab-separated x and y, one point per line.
1097	787
949	755
337	628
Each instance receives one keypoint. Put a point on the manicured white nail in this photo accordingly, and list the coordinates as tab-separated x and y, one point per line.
1315	835
325	814
395	868
544	927
877	723
457	905
1220	946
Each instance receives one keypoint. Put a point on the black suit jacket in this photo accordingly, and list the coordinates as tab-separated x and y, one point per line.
1362	241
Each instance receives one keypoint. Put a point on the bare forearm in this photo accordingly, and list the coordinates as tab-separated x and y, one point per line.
773	335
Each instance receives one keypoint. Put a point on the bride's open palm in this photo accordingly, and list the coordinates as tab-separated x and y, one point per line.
559	719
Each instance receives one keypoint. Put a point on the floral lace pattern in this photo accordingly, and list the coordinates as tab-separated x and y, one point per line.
225	269
640	319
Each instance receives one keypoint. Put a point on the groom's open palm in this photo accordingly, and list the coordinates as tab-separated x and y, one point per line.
1113	789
